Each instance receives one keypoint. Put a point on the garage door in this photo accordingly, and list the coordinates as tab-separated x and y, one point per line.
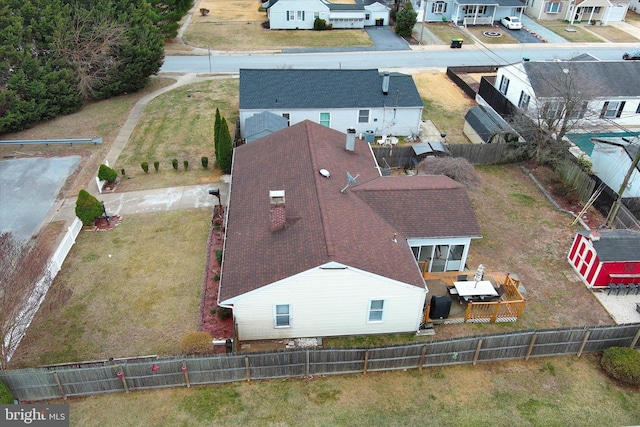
617	12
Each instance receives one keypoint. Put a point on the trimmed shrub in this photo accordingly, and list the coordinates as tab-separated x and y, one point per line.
623	364
88	208
174	163
197	343
6	398
145	167
186	164
223	313
105	173
216	278
205	162
156	166
219	256
319	24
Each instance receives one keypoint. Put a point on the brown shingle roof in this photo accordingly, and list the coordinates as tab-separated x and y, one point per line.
324	224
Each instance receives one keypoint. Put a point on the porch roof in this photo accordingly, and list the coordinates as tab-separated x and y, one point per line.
477	2
511	3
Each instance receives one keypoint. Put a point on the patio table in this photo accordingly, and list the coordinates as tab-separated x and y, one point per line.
472	288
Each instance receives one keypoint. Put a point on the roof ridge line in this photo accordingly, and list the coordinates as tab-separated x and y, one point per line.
326	229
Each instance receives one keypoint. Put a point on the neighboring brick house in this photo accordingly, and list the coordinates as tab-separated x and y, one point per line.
367	100
310	252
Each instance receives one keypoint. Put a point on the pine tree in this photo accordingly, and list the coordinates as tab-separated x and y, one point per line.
225	148
167	15
216	133
88	208
405	20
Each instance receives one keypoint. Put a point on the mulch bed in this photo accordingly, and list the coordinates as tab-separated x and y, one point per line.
220	329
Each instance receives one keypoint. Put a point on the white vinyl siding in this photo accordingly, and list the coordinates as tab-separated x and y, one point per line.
330	302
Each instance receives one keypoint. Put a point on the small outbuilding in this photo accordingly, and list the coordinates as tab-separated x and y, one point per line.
482	125
605	257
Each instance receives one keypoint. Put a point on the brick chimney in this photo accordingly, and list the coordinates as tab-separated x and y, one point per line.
277	214
385	83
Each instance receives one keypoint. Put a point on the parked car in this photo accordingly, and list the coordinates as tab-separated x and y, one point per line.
632	54
511	22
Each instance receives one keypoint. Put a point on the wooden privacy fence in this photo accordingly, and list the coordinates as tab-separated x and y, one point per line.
112	376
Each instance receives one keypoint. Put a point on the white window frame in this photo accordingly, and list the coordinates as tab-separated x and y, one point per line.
553	7
523	103
504	85
363	116
326	122
375	310
578	113
439	7
288	117
612	109
277	315
553	109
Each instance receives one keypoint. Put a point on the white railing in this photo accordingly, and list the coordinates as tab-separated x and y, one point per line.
479	20
41	288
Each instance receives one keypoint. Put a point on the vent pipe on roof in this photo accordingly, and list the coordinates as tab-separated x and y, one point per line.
385	83
277	215
351	139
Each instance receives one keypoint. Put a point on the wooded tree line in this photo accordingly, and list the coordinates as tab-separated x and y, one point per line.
55	55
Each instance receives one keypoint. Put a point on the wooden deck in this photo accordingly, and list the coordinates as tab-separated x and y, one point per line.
508	308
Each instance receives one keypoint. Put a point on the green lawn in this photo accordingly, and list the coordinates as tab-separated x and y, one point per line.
562	391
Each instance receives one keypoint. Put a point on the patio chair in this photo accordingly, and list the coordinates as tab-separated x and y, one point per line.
635	286
621	288
501	291
612	287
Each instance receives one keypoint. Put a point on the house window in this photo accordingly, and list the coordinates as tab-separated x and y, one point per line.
282	316
376	310
325	119
439	7
288	117
553	7
504	85
553	109
474	10
295	15
578	111
523	103
363	116
612	109
367	16
316	15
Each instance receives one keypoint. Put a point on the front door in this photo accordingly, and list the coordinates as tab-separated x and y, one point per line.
578	15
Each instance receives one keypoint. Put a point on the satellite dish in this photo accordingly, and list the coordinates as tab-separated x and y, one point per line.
351	180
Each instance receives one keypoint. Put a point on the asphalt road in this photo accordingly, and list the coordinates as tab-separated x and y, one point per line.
434	58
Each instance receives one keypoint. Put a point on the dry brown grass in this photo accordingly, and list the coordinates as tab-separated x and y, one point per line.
611	33
505	38
445	104
133	290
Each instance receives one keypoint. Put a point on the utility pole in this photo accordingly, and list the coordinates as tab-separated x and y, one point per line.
616	204
424	11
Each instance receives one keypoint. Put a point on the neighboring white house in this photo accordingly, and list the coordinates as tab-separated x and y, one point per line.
612	89
318	243
611	160
367	100
576	11
635	5
467	12
301	14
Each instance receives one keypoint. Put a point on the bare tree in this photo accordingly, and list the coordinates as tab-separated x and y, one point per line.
24	282
90	43
562	100
457	168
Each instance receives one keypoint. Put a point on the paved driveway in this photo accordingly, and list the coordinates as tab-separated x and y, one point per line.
383	38
523	36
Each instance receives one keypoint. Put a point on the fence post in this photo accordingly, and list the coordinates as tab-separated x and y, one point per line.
248	369
123	379
186	374
635	339
584	342
530	349
424	352
64	395
307	370
475	356
366	361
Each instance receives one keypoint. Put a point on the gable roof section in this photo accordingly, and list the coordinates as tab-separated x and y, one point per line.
264	121
616	245
486	122
610	78
306	89
626	143
323	223
421	206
